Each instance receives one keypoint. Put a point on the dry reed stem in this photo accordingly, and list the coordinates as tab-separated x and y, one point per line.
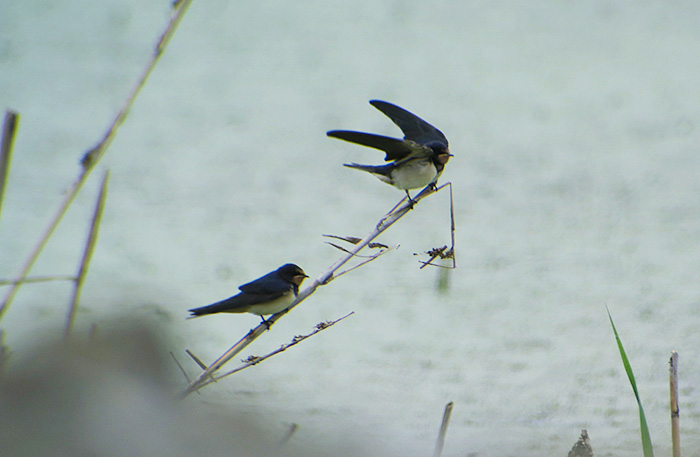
9	129
32	279
87	254
93	156
675	410
196	359
253	360
389	219
443	429
367	259
445	253
179	365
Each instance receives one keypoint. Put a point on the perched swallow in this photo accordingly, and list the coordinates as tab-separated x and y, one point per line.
416	161
268	294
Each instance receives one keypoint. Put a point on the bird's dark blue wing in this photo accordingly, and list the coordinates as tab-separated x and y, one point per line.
395	149
238	302
270	284
413	127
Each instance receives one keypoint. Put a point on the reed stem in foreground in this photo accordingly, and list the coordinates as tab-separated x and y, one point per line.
9	129
87	254
93	156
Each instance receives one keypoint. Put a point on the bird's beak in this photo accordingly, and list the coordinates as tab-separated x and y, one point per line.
444	157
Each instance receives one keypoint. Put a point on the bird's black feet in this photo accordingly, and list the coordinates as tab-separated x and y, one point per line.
267	324
411	202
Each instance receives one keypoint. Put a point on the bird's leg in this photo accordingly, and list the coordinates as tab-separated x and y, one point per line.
267	324
411	201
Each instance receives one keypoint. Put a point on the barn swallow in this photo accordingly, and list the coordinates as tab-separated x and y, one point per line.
268	294
416	161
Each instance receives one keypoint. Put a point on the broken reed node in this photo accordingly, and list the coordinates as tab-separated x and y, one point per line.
395	214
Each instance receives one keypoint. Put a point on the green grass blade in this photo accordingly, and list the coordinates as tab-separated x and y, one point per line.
646	437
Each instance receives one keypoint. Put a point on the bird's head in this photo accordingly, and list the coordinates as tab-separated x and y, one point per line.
292	273
441	153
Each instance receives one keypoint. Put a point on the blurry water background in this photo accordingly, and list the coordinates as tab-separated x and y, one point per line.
576	178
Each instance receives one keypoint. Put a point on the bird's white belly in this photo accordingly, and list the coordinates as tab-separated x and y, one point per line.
414	174
275	306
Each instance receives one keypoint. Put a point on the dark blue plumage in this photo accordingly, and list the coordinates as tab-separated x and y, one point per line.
416	161
268	294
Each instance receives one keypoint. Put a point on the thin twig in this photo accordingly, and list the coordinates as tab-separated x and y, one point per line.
6	282
254	360
9	129
675	410
196	359
440	252
177	362
355	240
87	254
368	260
443	429
340	248
93	156
387	221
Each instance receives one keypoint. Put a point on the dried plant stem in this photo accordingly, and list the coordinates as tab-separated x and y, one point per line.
5	282
197	360
87	254
367	259
675	410
29	263
389	219
444	252
256	360
93	156
443	429
182	369
8	136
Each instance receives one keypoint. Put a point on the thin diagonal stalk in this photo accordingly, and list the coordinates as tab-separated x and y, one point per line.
8	136
5	282
445	253
93	156
179	365
387	221
87	254
297	339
